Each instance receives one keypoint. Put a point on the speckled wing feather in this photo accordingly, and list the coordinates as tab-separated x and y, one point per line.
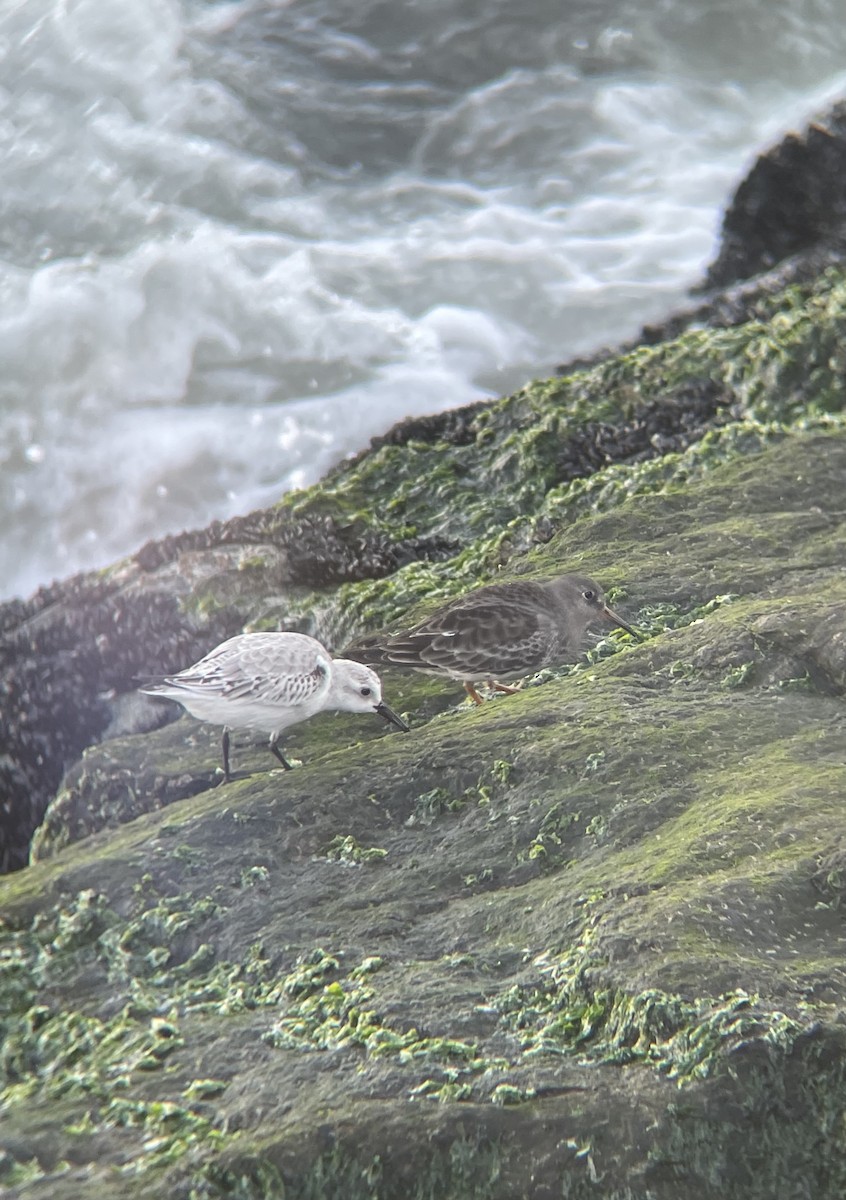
251	666
500	632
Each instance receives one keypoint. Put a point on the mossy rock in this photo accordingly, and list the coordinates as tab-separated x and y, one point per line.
584	940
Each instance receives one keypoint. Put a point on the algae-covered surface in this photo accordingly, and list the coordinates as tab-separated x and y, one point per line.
583	941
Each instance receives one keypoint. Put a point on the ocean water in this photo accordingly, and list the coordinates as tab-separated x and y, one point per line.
239	239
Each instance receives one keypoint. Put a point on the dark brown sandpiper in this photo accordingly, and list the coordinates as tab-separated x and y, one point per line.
501	632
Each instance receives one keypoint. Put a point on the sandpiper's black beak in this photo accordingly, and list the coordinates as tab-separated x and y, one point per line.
388	714
611	616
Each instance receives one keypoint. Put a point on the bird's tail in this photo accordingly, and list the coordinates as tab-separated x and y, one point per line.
151	684
369	649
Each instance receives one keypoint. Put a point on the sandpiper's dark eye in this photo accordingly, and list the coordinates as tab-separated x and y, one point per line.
366	691
589	595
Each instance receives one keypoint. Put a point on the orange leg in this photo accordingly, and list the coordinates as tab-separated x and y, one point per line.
472	693
502	687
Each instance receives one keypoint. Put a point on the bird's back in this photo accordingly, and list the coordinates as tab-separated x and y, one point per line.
263	681
502	631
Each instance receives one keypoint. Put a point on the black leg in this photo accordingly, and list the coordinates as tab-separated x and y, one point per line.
225	746
274	749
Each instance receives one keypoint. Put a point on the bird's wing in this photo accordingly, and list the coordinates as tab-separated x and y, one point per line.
256	666
490	635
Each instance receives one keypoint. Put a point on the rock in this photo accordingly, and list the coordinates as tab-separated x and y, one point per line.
791	202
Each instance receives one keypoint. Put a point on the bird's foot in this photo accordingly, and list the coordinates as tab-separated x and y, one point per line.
274	749
496	686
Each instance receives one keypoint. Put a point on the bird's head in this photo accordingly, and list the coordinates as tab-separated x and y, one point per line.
584	601
355	688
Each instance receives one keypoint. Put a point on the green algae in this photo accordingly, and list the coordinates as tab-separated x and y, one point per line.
14	1174
318	1005
324	1015
682	1039
51	1051
556	821
346	849
490	783
255	876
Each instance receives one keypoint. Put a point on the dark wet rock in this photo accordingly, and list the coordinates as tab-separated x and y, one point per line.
455	427
316	551
108	790
792	201
73	646
666	425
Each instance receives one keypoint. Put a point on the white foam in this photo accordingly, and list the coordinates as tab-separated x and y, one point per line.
234	246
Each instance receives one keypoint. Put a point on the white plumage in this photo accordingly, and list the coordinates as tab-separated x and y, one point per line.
269	681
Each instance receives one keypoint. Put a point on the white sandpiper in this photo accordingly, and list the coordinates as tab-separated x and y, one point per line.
269	681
